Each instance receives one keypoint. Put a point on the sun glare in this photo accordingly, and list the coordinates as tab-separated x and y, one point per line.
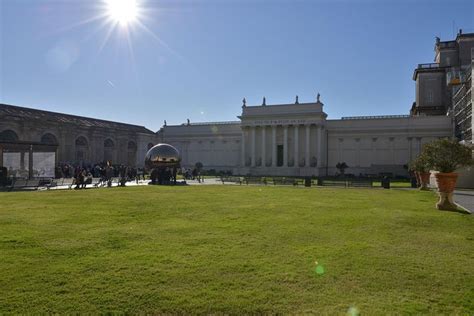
122	11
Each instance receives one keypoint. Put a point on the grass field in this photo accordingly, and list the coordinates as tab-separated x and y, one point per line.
234	250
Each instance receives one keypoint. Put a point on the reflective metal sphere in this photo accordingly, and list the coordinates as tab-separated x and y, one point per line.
162	155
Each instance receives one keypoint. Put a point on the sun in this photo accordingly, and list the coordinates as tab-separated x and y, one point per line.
123	12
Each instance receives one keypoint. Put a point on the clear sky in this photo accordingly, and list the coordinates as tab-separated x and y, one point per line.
197	59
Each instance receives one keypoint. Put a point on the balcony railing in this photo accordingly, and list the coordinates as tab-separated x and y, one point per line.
450	44
428	66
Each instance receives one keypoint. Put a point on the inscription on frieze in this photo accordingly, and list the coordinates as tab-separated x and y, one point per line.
283	122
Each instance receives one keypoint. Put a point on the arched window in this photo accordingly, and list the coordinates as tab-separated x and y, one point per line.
82	149
132	146
49	138
8	136
150	145
109	150
131	153
81	141
108	143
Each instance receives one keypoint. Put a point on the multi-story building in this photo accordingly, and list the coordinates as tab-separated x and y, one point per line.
444	87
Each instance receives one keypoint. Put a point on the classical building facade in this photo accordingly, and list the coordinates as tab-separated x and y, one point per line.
78	140
298	140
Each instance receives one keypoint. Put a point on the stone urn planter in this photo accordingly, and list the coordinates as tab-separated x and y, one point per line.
446	184
424	180
446	156
418	180
421	170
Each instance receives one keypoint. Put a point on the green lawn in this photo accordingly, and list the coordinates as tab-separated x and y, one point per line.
233	250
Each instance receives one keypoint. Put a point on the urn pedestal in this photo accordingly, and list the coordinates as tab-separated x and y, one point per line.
446	184
424	180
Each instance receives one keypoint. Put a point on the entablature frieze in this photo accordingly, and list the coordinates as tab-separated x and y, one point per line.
282	122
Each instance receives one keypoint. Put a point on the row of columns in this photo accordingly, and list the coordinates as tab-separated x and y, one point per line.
285	145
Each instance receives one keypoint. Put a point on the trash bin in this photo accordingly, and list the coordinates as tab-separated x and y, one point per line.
413	183
386	183
307	182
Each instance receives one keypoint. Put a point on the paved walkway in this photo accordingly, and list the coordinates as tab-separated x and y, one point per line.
465	198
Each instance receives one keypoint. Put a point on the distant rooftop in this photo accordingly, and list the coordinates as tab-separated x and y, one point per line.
61	118
204	123
373	117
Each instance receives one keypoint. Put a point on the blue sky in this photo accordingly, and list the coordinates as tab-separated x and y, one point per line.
201	57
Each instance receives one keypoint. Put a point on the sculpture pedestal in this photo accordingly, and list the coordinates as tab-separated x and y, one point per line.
446	202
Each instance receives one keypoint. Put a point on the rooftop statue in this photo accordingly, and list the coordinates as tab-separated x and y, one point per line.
244	103
317	98
296	102
264	101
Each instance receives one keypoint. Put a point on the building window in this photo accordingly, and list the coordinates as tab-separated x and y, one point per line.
81	141
430	96
8	136
132	153
82	149
49	138
109	150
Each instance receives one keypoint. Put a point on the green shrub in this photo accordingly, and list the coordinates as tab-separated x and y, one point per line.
446	155
420	164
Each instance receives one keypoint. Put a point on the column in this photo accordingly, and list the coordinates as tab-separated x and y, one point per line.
252	151
274	146
418	145
410	158
392	150
285	146
242	153
30	163
264	146
374	151
307	148
319	155
296	141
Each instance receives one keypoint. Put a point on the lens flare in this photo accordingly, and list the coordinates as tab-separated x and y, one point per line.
122	11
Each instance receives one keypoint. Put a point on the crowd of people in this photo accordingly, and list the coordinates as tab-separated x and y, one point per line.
83	175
